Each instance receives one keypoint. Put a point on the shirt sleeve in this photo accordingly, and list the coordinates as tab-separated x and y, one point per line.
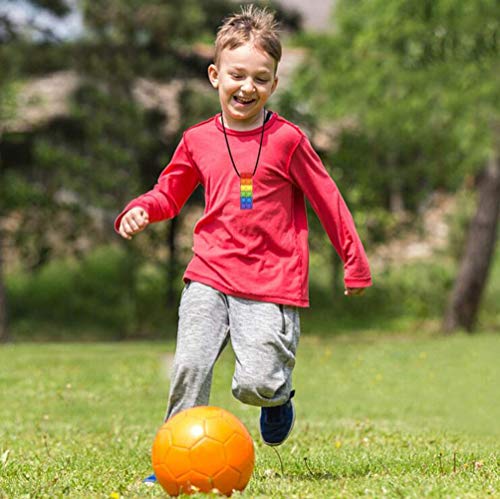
173	188
309	174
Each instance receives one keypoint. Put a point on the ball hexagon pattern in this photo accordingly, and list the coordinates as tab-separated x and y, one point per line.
202	449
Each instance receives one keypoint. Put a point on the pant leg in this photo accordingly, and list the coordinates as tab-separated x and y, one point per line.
264	337
201	336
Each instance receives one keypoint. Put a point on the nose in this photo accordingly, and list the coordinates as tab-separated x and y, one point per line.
247	86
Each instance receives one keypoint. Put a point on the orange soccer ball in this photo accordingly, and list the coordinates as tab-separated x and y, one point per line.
202	449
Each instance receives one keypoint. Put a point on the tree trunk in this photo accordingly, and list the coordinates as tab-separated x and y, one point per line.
476	261
4	332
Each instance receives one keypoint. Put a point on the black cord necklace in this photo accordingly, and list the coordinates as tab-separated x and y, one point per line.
246	179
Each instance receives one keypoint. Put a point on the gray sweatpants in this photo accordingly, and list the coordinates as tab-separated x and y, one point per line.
264	337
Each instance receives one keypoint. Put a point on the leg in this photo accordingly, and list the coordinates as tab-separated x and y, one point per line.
264	337
201	337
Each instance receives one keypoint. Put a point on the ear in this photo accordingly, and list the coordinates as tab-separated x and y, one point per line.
213	75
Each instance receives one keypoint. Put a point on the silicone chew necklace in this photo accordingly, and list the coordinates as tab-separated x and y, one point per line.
246	179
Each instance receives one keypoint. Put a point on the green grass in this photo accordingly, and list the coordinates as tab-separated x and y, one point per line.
376	416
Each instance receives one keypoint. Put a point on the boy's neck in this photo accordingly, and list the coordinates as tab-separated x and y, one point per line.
244	126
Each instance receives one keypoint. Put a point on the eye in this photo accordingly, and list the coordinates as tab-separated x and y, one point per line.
236	76
262	80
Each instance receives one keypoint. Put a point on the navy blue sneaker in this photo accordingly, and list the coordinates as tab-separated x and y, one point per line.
276	423
150	479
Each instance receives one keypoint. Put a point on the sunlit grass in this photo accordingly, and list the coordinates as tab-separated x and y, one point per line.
376	416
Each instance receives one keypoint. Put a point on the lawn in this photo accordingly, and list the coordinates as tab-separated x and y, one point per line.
376	416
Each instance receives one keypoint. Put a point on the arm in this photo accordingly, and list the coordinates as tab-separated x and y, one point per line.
175	184
310	175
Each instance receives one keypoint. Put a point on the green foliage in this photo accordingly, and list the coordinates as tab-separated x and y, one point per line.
135	21
94	298
87	293
58	8
7	101
405	296
414	87
402	298
17	192
98	151
72	296
489	315
91	297
401	417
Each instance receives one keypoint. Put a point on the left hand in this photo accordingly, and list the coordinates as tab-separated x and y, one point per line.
354	291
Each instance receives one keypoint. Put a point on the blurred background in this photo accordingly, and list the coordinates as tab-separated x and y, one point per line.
400	98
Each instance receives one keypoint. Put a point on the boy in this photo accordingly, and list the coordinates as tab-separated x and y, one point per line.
249	272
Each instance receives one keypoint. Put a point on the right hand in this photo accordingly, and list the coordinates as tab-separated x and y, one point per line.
133	222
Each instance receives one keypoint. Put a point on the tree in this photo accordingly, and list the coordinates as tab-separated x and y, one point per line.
16	190
6	111
419	81
469	285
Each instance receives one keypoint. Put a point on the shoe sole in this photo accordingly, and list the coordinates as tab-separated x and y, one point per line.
286	436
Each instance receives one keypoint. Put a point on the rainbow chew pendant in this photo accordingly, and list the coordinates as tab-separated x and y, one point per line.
246	179
246	191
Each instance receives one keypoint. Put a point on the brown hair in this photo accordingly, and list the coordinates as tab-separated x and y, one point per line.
253	24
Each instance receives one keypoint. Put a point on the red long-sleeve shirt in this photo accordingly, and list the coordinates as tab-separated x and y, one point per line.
260	253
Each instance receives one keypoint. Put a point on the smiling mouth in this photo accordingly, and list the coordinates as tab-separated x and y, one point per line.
244	101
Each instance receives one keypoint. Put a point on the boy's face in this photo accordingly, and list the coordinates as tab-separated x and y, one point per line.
245	79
